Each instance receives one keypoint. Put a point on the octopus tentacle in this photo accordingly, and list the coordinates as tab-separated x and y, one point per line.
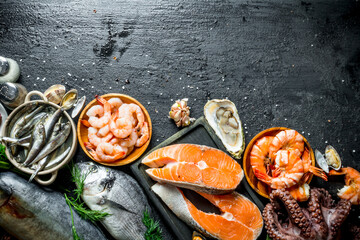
342	210
297	216
314	207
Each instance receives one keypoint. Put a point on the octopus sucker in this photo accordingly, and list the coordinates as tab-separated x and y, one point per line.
319	218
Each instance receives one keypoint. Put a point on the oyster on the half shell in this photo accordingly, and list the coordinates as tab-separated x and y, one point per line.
223	117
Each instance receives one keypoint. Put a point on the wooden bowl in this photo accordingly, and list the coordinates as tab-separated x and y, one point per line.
83	132
260	187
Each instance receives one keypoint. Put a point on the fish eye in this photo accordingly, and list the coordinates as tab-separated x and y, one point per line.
93	169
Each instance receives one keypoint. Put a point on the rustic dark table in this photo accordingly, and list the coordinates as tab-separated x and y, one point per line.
283	63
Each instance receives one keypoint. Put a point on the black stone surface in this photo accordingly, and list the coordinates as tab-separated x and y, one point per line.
283	63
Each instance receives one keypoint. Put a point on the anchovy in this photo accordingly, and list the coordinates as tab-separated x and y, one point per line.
37	142
31	124
54	144
30	212
49	125
25	118
17	141
121	196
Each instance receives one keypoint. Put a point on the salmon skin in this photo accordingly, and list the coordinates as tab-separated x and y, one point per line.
240	218
196	167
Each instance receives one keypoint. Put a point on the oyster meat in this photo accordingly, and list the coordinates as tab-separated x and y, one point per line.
223	117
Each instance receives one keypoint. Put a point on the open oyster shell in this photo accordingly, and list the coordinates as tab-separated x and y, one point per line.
332	157
223	117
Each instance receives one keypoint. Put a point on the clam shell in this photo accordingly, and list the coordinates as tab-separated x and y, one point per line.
224	119
332	157
78	106
69	99
55	93
321	161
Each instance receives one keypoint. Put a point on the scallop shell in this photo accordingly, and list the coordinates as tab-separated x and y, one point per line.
223	117
55	93
78	106
69	99
321	161
332	157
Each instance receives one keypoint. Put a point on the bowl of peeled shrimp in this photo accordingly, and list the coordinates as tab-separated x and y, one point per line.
280	157
114	129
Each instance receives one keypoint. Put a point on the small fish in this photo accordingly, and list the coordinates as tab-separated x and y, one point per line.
49	125
54	144
30	124
17	141
37	142
29	212
121	196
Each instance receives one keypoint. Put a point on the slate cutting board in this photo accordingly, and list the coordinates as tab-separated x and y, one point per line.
198	133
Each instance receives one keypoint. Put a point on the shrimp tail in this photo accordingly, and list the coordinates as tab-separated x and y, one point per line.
318	172
85	123
262	176
342	171
89	146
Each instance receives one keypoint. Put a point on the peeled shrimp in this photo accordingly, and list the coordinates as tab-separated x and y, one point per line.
95	139
104	130
121	127
144	135
351	191
115	104
99	122
130	141
96	110
287	139
107	152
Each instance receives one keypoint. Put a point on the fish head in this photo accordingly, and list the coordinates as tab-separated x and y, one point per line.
99	180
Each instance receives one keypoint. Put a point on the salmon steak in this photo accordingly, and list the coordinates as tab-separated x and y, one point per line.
239	219
196	167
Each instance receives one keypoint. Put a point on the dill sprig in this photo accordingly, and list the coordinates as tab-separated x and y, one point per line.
79	181
73	229
153	231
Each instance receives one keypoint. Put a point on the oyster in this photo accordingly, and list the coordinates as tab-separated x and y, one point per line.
55	93
69	99
224	119
320	160
332	157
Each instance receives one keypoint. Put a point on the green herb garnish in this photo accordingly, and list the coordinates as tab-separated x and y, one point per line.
4	162
73	229
268	238
153	231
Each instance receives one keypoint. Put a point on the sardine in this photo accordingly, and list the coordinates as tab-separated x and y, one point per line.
29	212
26	117
50	123
31	124
121	196
37	142
54	144
55	161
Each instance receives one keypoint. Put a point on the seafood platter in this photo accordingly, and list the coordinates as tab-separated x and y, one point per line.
203	181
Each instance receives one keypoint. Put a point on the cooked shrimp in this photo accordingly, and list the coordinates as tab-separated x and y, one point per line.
96	110
259	155
299	192
99	122
288	170
309	168
131	110
121	127
104	130
95	139
351	191
115	104
130	141
107	152
287	139
144	135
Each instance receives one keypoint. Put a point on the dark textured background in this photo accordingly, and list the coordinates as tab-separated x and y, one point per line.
283	63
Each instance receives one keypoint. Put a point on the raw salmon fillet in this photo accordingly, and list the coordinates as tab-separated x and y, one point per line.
195	167
240	218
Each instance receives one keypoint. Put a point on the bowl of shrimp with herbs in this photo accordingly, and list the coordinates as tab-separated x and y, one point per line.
280	158
114	129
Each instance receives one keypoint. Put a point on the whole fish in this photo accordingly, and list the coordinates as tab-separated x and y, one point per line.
51	122
54	144
24	142
37	142
29	212
121	196
26	116
31	124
